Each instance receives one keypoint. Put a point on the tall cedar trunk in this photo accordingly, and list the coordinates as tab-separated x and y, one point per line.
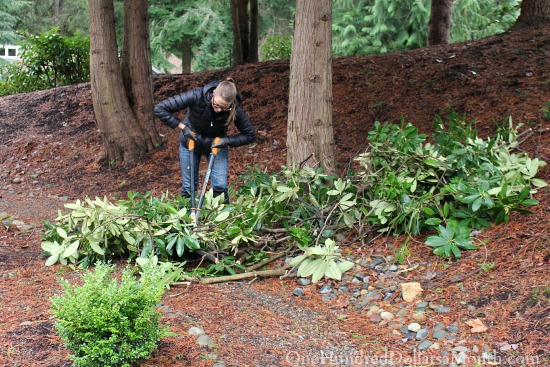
244	29
56	11
254	31
122	139
310	137
439	29
534	13
187	55
137	70
237	47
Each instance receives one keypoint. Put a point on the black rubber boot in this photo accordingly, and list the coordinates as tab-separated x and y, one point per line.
226	195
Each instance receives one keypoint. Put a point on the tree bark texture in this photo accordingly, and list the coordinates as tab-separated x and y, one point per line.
534	13
439	29
237	46
254	50
187	53
118	127
310	137
244	28
137	70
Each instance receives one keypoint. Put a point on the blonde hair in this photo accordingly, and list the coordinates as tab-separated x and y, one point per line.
228	92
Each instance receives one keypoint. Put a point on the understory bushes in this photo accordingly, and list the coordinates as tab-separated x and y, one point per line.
404	184
106	322
48	61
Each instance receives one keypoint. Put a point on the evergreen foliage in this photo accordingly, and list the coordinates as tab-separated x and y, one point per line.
104	322
10	11
47	61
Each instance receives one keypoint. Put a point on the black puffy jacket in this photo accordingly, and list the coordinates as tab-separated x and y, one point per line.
202	119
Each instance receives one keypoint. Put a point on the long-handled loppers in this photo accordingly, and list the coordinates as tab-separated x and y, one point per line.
211	159
191	148
195	210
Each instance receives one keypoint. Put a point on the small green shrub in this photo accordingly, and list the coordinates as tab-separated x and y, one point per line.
107	323
47	61
277	48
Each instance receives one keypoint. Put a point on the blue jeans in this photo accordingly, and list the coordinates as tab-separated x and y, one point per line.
218	175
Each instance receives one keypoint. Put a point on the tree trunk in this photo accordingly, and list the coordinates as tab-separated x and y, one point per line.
187	55
534	13
310	137
137	69
122	137
56	11
244	29
237	46
254	58
439	29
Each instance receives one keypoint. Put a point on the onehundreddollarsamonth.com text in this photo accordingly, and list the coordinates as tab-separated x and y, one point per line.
417	358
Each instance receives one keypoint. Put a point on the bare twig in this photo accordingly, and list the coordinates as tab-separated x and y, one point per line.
207	255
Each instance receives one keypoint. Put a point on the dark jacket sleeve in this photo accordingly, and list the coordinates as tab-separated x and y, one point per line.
247	132
165	109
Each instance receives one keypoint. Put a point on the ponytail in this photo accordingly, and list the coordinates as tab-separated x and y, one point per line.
228	92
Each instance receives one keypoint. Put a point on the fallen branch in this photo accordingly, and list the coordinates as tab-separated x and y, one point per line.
229	278
208	255
266	261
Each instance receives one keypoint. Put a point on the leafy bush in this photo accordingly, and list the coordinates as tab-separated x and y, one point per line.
47	61
413	186
107	323
277	48
321	261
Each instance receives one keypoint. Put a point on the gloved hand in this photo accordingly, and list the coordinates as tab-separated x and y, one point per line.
187	134
221	143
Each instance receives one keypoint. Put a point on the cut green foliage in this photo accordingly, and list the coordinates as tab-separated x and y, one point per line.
453	184
321	261
105	322
413	186
403	251
451	238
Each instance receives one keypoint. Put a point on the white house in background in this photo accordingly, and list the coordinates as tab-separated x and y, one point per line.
9	53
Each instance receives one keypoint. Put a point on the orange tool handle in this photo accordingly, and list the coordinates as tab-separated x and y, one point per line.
191	144
215	150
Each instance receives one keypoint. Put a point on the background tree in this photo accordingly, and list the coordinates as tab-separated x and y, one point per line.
349	29
439	27
310	137
397	25
136	67
245	31
534	13
182	28
474	19
9	11
374	26
124	140
71	16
